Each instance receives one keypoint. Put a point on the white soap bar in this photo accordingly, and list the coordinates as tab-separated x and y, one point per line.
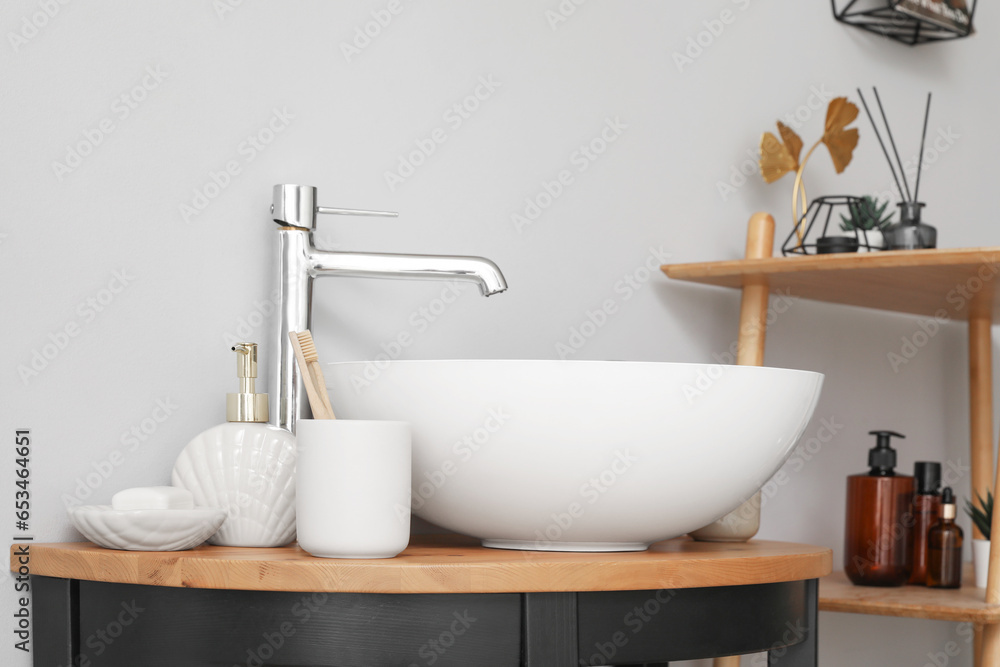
153	498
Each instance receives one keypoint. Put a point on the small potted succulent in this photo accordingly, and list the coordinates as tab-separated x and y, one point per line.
982	517
867	220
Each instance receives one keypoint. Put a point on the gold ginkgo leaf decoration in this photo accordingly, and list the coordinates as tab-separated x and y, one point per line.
840	141
779	157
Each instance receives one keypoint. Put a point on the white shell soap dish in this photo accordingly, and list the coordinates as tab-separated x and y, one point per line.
148	519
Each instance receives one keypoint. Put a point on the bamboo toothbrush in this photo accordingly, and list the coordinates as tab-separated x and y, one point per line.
312	375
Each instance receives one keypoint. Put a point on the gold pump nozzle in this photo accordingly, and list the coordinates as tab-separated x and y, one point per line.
247	405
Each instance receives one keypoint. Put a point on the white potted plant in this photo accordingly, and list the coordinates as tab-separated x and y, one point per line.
868	222
982	517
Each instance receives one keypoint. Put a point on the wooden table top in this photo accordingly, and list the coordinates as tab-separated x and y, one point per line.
440	564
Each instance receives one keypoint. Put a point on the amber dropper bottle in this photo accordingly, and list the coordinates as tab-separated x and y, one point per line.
944	547
926	511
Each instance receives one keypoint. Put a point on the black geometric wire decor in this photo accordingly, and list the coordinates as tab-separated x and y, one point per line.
822	238
911	22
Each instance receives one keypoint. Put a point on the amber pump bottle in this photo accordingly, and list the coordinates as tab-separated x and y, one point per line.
878	544
944	547
926	509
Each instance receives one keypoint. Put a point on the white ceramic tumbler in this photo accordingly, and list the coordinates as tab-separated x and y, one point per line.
353	487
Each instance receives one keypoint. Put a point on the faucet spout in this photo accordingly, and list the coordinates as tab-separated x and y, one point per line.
300	263
478	270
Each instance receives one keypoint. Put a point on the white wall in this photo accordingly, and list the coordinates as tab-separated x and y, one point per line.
191	283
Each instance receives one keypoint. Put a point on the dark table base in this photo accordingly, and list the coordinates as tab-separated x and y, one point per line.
85	623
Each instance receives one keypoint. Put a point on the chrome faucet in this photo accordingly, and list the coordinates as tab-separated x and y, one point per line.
299	262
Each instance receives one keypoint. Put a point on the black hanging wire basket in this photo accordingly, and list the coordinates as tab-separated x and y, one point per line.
911	22
818	241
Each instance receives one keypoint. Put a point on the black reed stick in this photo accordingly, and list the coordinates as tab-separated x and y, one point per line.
920	165
880	142
888	131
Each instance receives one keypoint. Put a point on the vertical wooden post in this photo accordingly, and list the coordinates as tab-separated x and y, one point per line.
986	649
980	404
753	307
990	653
742	523
728	661
977	645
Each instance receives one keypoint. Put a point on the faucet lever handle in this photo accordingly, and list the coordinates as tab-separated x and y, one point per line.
295	206
352	211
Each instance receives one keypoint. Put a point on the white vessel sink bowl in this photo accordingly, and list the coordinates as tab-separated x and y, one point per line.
581	455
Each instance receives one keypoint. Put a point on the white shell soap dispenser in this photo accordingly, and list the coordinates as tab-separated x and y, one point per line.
245	466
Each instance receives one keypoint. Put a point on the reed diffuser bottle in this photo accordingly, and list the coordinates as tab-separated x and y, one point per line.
909	233
878	546
944	547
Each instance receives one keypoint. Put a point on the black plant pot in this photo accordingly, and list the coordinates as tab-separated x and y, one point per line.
826	245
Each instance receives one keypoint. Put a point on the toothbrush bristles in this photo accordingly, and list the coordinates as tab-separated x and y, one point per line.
308	347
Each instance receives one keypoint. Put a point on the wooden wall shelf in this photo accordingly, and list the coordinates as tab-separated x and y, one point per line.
966	604
919	282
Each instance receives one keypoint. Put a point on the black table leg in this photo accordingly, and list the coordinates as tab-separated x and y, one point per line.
55	605
549	630
804	652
